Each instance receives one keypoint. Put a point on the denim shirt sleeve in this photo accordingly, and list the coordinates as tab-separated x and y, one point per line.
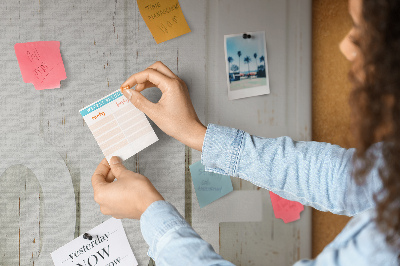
172	241
312	173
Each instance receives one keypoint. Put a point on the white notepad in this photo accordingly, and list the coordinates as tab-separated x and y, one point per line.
118	126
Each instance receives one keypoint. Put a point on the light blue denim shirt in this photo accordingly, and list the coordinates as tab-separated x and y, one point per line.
312	173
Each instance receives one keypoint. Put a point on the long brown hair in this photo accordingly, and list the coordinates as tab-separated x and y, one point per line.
375	103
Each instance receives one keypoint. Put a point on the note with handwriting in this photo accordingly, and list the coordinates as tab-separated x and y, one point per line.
209	186
108	246
41	63
164	18
284	209
118	126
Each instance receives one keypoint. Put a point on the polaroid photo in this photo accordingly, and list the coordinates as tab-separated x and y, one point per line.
246	65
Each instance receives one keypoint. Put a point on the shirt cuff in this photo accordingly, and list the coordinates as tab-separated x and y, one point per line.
158	219
222	148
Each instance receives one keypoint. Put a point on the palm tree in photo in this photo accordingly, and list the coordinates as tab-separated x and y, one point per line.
239	54
234	68
247	60
255	60
262	59
230	60
261	68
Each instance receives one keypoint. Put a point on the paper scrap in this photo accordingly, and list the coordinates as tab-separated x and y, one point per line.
284	209
118	126
164	18
109	246
209	186
41	63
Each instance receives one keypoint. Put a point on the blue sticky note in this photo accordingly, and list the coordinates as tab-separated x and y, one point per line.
209	186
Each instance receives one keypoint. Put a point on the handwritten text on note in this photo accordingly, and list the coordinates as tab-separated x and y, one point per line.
209	186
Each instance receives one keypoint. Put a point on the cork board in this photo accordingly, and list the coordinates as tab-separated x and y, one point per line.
330	96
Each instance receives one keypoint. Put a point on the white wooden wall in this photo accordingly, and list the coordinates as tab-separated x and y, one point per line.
48	154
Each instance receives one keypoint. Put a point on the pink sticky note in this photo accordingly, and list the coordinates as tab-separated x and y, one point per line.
41	63
284	209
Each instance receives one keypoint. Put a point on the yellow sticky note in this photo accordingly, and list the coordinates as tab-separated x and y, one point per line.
164	18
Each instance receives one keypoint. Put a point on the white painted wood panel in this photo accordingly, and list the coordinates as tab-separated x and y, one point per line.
286	111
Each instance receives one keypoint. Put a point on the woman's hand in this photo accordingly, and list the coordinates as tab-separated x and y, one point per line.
127	197
174	113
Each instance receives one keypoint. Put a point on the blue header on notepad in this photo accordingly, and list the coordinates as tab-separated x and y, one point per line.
100	103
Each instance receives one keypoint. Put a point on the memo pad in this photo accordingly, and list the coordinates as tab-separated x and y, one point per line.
209	186
284	209
118	126
164	18
41	63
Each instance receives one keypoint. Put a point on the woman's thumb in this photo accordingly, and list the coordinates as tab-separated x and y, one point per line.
138	100
116	166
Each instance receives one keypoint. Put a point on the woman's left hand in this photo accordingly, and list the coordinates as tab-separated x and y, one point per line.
127	197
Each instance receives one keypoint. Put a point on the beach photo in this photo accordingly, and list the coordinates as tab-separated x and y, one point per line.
246	64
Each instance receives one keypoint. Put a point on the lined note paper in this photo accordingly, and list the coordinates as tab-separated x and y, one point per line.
164	18
118	126
41	63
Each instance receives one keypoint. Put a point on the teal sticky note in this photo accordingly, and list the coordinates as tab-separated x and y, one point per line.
209	186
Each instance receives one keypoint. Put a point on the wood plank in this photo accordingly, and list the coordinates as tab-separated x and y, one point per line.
20	234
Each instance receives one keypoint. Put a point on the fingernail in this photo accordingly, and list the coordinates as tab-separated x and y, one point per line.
115	160
125	88
129	94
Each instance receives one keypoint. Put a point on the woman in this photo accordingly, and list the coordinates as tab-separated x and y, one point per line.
362	182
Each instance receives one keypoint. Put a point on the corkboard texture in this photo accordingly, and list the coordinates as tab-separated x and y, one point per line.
330	99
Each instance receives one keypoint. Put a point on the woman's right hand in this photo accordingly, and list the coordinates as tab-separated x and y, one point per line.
173	113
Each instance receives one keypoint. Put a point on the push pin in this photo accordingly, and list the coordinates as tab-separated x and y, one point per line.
87	236
246	36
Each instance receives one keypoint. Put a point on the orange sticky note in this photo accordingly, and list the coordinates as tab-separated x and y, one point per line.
41	63
164	18
284	209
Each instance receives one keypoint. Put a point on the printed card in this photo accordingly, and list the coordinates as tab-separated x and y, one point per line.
108	246
118	126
